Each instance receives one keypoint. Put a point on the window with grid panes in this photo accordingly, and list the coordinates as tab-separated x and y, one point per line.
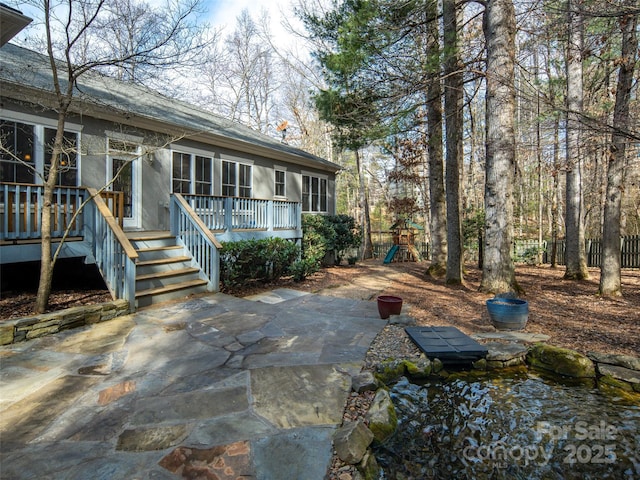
68	164
280	190
181	172
236	179
314	194
17	165
204	179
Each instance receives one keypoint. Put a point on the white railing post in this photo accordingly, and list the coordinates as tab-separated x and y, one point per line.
270	215
228	213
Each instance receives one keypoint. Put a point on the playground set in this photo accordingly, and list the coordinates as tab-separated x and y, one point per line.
403	249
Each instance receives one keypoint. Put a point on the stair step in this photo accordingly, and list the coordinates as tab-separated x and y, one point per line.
141	236
171	288
168	273
163	261
158	249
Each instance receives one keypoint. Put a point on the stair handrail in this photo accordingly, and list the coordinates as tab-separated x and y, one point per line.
192	233
113	252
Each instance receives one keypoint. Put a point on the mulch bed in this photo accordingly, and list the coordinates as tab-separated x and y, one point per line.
570	312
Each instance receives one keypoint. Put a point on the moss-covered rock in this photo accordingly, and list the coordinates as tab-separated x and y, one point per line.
480	364
390	371
420	369
382	417
561	361
614	382
436	365
610	386
369	467
351	442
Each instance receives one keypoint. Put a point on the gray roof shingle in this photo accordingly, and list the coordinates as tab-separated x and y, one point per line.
27	69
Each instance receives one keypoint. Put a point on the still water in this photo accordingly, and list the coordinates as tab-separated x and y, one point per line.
516	427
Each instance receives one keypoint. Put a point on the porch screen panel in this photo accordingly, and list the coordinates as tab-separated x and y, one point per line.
18	165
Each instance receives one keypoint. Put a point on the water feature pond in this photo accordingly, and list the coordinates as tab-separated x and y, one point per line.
515	426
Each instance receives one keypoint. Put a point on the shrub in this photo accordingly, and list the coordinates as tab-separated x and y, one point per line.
261	260
324	234
303	268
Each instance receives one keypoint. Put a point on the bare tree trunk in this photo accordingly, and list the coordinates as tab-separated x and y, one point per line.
610	283
367	244
538	161
453	101
575	254
47	263
555	222
437	199
498	273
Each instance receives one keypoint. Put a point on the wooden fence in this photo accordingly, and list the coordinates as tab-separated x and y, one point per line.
629	255
526	250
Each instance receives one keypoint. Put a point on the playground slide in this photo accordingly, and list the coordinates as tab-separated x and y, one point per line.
391	254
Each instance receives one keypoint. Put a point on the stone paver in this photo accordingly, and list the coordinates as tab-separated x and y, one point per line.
213	387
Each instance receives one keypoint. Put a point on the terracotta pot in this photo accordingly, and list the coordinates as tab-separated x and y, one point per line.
389	305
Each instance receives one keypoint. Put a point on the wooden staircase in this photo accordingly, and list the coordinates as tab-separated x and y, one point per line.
163	271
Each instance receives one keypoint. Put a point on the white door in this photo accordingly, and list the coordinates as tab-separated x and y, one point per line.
128	181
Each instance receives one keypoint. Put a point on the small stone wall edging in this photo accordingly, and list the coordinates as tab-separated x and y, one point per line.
27	328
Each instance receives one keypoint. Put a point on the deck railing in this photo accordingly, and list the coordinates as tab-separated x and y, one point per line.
192	233
21	211
115	256
233	213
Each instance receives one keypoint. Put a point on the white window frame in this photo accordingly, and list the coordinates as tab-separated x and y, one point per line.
236	185
309	206
39	124
275	182
193	154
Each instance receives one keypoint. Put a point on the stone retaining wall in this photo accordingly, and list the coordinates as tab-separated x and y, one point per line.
26	328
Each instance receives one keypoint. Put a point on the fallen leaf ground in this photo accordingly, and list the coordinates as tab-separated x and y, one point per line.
570	312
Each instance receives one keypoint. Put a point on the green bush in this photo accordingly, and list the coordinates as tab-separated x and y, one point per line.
262	260
302	268
323	234
530	255
347	235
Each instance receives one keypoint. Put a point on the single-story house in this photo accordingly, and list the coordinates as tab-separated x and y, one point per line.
187	180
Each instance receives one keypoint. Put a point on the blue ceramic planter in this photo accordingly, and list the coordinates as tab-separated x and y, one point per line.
508	313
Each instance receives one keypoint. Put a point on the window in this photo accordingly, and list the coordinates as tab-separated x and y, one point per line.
314	194
244	184
68	164
181	172
204	185
280	190
228	179
18	164
29	151
236	179
192	174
